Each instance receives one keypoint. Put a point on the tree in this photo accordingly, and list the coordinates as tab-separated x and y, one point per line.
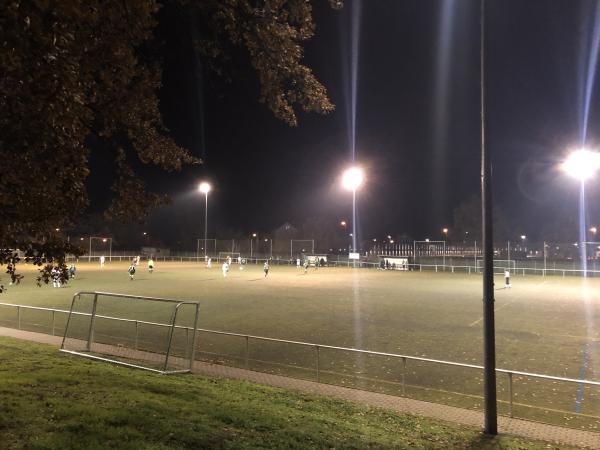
76	73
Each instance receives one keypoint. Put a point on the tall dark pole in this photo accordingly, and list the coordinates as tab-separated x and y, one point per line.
489	339
205	222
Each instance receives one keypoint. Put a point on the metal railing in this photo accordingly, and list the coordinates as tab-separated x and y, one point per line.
317	351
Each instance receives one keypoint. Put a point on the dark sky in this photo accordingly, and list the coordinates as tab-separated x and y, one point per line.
418	129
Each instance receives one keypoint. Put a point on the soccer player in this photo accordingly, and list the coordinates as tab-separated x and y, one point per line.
150	265
242	263
225	269
131	270
297	263
229	260
305	265
72	270
137	260
506	279
266	268
102	260
55	274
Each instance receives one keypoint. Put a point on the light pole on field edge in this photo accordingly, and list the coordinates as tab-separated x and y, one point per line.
205	189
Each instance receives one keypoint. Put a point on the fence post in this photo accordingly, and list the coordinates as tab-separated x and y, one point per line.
510	393
403	376
247	351
135	344
92	319
318	371
18	317
53	321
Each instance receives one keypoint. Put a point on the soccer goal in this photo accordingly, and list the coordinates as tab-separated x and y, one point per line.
155	334
206	247
99	246
301	246
500	265
233	255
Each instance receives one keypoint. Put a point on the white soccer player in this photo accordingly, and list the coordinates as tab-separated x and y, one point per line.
242	263
240	260
102	260
55	274
225	269
137	260
229	260
209	263
131	270
297	263
266	268
506	279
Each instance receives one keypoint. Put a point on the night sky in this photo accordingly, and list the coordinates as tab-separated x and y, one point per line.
418	126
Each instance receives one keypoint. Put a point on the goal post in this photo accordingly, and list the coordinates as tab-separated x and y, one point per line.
150	333
301	246
500	265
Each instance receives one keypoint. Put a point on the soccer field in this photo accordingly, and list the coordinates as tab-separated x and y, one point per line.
546	325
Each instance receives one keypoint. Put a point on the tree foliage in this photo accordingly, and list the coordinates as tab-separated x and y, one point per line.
79	72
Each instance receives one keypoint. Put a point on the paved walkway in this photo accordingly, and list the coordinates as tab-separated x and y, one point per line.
506	425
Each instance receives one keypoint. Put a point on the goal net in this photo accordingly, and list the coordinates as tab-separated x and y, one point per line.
500	265
155	334
299	247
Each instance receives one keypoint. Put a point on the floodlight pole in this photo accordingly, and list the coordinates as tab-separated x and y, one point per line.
205	221
489	339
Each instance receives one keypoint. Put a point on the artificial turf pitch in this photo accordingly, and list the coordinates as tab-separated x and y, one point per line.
547	325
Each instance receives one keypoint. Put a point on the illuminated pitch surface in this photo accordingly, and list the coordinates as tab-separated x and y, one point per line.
543	325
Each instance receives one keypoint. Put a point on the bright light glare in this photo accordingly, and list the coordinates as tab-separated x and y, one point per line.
593	230
582	164
352	178
523	237
445	230
204	188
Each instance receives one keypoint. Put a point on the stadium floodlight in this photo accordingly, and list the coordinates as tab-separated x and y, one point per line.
204	187
353	178
582	164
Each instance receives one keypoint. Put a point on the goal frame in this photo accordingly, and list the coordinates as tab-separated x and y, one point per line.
312	248
93	315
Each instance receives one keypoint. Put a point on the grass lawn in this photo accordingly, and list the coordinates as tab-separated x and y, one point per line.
545	325
54	401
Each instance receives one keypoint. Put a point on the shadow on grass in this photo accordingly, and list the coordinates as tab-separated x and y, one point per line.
487	442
